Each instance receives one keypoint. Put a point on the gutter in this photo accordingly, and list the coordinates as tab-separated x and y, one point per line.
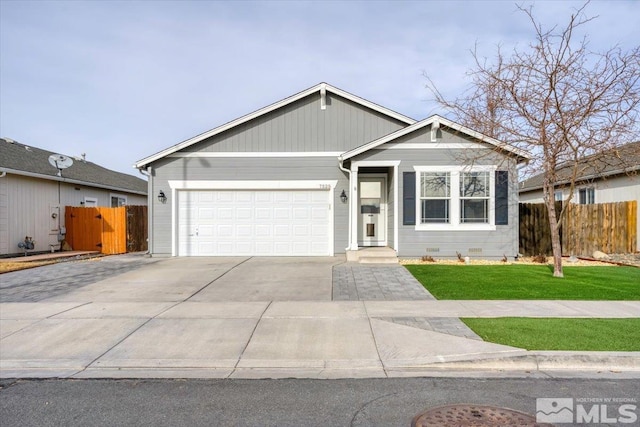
71	181
147	172
342	168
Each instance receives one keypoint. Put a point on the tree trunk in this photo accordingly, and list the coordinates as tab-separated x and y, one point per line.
555	236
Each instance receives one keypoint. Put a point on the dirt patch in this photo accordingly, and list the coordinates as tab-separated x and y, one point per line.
8	266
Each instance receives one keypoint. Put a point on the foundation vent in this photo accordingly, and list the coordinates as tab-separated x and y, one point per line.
475	250
432	250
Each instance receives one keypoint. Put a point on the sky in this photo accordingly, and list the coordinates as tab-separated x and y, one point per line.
122	80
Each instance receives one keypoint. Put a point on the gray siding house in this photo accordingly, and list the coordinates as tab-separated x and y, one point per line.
33	196
325	172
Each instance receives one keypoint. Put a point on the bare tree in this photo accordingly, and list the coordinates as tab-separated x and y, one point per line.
557	100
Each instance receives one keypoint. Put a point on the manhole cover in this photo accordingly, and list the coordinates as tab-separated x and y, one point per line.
474	416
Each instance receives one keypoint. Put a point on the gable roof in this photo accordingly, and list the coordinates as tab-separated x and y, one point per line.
321	88
20	159
521	155
616	161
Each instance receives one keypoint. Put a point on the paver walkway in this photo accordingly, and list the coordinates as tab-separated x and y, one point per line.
357	282
37	284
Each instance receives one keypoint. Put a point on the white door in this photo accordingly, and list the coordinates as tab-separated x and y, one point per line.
248	222
372	208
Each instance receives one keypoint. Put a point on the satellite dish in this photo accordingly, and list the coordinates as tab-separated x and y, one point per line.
60	161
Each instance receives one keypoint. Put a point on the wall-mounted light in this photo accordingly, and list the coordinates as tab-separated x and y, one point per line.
161	197
343	197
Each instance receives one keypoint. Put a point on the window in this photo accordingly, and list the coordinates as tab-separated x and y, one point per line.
117	201
586	196
435	195
458	197
474	197
557	196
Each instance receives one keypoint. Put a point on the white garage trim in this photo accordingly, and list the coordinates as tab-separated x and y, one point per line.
320	185
253	185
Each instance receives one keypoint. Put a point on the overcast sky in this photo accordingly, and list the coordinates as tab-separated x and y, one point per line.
121	80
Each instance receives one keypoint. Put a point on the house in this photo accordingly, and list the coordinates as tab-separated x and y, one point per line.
611	176
326	172
33	196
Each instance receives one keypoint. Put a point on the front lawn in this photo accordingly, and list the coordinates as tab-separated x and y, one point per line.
560	334
505	282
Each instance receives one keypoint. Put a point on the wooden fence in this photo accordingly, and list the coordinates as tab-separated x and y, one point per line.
108	230
606	227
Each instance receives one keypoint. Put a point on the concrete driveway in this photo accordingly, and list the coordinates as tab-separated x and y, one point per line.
207	279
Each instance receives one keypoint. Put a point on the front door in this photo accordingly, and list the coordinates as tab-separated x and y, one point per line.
372	208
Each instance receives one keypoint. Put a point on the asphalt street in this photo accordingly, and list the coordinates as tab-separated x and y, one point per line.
288	402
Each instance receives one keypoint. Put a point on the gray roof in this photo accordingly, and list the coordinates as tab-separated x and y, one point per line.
27	160
624	159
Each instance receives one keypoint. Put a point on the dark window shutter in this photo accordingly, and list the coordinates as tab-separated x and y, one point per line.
409	198
502	197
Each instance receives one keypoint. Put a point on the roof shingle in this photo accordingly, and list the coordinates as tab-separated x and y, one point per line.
23	158
619	160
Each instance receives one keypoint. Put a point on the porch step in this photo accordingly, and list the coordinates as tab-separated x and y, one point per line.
379	255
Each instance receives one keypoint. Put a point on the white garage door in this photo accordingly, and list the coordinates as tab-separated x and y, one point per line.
247	222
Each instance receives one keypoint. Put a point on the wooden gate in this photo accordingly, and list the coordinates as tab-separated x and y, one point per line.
108	230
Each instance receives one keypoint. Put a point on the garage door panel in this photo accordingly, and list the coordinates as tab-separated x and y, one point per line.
223	230
301	230
301	213
222	196
319	213
263	213
263	230
243	222
244	231
244	213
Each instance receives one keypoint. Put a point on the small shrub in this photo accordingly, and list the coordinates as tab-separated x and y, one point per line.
460	257
428	258
504	258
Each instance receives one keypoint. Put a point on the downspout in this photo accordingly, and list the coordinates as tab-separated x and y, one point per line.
343	169
147	172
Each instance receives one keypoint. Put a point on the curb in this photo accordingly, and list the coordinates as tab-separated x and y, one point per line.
550	360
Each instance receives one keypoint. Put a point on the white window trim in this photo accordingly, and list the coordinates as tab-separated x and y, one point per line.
586	189
120	196
454	207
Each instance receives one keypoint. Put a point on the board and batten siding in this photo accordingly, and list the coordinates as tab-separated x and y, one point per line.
304	126
244	169
27	203
444	244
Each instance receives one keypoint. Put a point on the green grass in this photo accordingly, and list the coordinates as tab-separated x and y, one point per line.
505	282
560	334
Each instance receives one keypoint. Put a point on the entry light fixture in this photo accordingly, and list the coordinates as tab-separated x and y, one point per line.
161	197
343	197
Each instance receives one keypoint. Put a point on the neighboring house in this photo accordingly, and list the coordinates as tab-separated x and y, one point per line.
608	177
324	172
33	196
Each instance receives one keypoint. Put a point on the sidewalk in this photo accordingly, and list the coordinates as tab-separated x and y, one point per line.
316	339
